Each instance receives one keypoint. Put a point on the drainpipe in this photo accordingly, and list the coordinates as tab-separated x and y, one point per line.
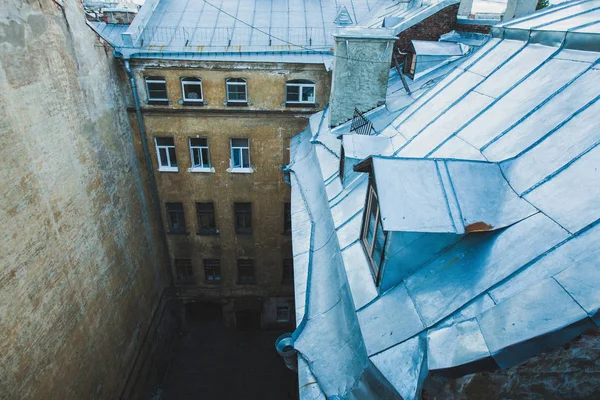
153	186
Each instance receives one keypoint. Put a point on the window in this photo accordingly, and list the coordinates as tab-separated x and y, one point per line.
243	217
288	271
185	273
300	92
212	271
175	218
156	87
206	218
245	271
165	151
199	153
240	154
192	90
236	91
283	313
287	218
373	236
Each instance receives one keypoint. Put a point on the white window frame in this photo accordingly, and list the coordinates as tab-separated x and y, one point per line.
301	87
191	82
199	149
169	167
162	80
241	169
283	309
230	82
370	247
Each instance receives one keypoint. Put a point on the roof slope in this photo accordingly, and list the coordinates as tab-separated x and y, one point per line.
290	30
513	130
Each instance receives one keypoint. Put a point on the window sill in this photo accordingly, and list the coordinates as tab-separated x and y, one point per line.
186	283
158	102
213	282
236	103
198	103
300	105
208	233
243	233
202	169
168	169
240	170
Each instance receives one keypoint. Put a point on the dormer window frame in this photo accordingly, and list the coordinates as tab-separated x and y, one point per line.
379	236
302	85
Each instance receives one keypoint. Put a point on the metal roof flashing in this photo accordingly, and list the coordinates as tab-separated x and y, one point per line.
487	181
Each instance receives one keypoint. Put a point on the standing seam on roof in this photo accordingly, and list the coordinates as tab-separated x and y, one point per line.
540	105
462	220
439	175
445	87
549	10
193	36
550	132
564	19
561	169
346	192
583	26
216	19
569	293
489	106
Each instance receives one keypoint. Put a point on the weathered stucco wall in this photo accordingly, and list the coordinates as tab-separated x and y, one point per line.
81	274
268	125
266	82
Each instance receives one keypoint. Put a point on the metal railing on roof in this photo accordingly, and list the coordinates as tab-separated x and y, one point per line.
361	124
235	36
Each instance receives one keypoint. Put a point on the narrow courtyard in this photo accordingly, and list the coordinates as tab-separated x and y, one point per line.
224	363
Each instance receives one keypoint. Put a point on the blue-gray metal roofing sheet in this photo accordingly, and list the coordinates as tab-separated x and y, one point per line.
526	109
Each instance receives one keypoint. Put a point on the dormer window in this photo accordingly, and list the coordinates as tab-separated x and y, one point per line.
237	93
191	88
373	236
300	91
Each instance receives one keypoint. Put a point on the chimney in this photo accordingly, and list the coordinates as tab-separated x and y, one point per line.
360	71
518	8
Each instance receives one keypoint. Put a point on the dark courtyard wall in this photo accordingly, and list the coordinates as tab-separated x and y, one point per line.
569	372
433	27
81	271
429	29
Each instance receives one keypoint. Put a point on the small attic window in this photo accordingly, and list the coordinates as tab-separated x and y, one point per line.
373	236
343	17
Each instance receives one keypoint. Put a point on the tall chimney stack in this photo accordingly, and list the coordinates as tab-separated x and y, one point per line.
360	71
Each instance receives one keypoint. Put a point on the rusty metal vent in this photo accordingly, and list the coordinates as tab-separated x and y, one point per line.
361	124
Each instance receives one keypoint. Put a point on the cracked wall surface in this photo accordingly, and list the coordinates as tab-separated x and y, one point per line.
81	275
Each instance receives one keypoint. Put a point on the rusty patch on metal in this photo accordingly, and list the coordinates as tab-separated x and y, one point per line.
450	263
478	227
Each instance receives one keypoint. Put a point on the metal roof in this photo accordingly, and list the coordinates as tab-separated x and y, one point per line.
510	135
429	48
225	29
